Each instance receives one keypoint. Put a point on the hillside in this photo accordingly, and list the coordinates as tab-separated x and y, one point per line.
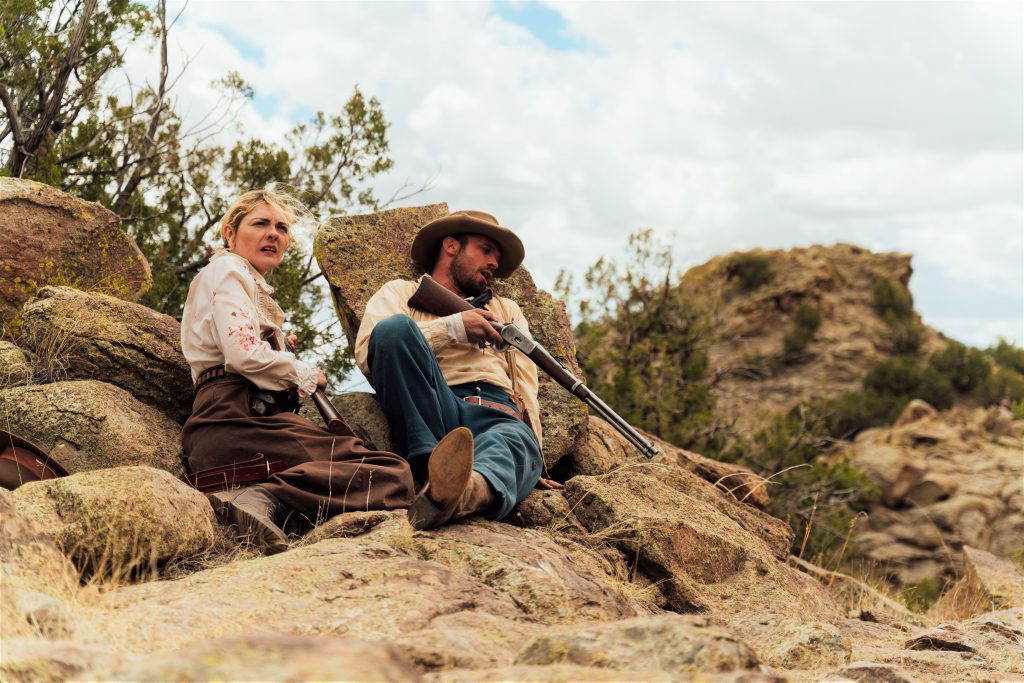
644	570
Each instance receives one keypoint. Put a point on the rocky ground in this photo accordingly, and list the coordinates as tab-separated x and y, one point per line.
638	570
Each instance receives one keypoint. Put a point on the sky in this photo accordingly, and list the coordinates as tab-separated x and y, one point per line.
721	126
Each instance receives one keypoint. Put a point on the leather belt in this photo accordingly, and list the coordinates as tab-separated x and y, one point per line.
244	472
210	374
478	401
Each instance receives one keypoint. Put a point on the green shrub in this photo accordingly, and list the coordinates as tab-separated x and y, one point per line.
905	336
965	367
921	596
1008	355
892	299
752	271
805	323
852	412
1003	383
904	377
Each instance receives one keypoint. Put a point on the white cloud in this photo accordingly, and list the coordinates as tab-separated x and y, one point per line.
732	125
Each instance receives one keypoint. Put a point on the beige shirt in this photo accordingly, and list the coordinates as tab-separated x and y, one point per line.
228	316
461	362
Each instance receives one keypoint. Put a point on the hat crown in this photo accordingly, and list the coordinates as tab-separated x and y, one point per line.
479	215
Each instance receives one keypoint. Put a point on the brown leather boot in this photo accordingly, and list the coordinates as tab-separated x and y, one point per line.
476	499
252	512
448	473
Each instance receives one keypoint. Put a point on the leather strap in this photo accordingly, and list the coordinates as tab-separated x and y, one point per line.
242	473
209	374
478	401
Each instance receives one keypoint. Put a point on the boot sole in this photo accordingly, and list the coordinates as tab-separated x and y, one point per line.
449	470
248	528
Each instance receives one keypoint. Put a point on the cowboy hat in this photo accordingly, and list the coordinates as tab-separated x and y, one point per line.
424	246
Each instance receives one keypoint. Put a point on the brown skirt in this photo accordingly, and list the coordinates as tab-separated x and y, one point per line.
327	474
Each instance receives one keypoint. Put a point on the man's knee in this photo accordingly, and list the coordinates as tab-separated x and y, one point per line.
394	332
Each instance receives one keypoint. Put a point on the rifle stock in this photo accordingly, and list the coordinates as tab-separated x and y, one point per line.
332	418
435	298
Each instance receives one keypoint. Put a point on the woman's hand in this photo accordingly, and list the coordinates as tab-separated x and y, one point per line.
291	340
321	379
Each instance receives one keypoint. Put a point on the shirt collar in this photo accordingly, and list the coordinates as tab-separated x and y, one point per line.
261	282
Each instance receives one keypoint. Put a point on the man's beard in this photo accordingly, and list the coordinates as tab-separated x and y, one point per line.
466	279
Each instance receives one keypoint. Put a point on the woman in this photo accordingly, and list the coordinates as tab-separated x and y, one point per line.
231	337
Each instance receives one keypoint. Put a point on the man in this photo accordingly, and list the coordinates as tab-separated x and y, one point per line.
463	413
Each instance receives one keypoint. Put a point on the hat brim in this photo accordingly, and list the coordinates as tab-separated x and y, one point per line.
428	239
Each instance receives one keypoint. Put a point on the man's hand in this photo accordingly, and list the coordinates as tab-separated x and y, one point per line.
549	484
478	327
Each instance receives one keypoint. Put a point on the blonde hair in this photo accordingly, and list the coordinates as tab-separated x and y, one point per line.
285	202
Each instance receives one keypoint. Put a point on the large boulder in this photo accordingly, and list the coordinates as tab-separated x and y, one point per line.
707	555
81	335
15	369
62	240
88	425
358	254
122	521
37	582
988	583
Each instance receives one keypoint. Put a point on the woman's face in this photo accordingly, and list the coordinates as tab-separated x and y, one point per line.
261	238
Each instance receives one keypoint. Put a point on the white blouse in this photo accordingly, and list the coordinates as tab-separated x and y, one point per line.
228	315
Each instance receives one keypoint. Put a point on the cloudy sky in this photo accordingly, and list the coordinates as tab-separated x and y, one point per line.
898	126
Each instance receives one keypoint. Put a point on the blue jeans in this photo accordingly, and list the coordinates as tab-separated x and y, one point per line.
421	408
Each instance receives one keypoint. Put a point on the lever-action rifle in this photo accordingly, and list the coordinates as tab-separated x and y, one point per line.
435	298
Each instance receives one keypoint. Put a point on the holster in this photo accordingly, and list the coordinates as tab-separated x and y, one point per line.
22	461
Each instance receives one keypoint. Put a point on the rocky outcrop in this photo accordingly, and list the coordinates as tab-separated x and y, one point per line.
750	326
81	335
679	533
120	521
358	254
988	583
947	482
87	425
15	369
62	240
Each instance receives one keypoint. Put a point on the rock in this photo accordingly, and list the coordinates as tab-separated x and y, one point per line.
676	643
914	411
358	254
122	521
37	582
81	335
562	673
736	480
62	240
15	369
873	672
601	450
932	488
988	583
888	466
354	587
273	658
349	524
453	641
87	425
552	579
703	557
362	411
31	659
929	665
942	637
810	646
998	421
547	510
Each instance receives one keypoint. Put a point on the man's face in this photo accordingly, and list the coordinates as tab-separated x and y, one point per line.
473	267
